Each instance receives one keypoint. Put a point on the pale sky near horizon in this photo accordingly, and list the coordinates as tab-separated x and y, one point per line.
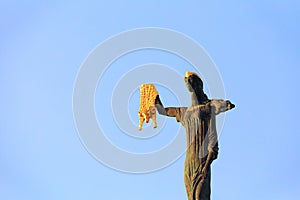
255	46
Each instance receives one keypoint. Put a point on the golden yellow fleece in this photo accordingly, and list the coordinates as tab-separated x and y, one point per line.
148	94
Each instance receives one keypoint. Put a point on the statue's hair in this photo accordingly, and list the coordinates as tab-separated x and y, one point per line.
195	86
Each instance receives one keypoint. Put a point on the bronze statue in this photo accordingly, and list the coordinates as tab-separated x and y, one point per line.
199	121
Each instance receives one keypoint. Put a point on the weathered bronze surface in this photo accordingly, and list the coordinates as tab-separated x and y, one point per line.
199	121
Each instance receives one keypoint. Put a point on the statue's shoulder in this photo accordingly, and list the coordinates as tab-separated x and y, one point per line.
198	111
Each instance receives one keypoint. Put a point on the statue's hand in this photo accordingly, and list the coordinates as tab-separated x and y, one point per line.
159	106
229	105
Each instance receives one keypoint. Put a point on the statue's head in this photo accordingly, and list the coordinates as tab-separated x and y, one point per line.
193	81
194	85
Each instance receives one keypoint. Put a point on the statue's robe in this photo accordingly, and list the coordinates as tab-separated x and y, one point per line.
202	140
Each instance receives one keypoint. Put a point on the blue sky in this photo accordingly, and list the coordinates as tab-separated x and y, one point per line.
255	46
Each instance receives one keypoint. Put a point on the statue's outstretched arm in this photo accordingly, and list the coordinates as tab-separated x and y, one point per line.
214	106
169	111
218	105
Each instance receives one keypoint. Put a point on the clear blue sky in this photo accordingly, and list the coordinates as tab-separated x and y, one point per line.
254	44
